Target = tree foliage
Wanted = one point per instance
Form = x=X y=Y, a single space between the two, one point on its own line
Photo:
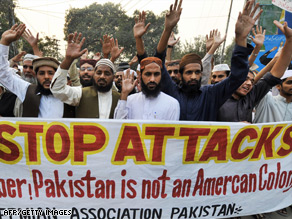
x=96 y=20
x=49 y=46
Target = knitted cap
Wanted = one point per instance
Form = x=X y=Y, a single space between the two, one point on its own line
x=45 y=61
x=106 y=62
x=188 y=59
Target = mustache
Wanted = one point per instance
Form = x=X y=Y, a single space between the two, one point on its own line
x=192 y=81
x=152 y=83
x=47 y=80
x=101 y=80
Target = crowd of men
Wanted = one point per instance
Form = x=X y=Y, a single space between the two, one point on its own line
x=192 y=88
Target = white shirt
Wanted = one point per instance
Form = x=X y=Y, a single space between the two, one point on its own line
x=50 y=107
x=273 y=109
x=138 y=106
x=105 y=104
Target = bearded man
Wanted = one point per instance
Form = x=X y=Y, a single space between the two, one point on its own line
x=151 y=103
x=37 y=100
x=97 y=101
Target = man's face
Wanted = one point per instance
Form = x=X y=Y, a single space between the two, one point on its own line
x=174 y=73
x=28 y=69
x=45 y=75
x=286 y=87
x=151 y=76
x=103 y=78
x=86 y=73
x=218 y=76
x=150 y=80
x=246 y=87
x=118 y=79
x=192 y=74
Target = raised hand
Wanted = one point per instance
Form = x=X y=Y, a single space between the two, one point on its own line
x=172 y=41
x=106 y=45
x=115 y=50
x=209 y=40
x=18 y=57
x=75 y=44
x=85 y=55
x=172 y=17
x=133 y=60
x=128 y=84
x=12 y=34
x=217 y=39
x=97 y=56
x=139 y=28
x=33 y=41
x=285 y=29
x=258 y=36
x=246 y=20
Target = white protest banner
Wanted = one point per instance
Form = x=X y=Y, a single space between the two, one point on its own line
x=90 y=168
x=284 y=4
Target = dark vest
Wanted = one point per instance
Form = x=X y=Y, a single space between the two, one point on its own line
x=32 y=102
x=7 y=103
x=88 y=105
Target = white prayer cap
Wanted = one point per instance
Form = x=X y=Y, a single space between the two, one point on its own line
x=106 y=62
x=131 y=71
x=287 y=74
x=1 y=85
x=221 y=67
x=30 y=57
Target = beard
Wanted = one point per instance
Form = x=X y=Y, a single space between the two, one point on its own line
x=148 y=92
x=118 y=86
x=191 y=89
x=42 y=90
x=31 y=80
x=86 y=83
x=102 y=89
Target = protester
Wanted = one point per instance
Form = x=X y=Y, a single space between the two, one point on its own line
x=86 y=72
x=97 y=101
x=151 y=103
x=196 y=103
x=173 y=70
x=239 y=107
x=219 y=73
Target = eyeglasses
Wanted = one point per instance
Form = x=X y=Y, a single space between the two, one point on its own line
x=174 y=71
x=26 y=66
x=86 y=68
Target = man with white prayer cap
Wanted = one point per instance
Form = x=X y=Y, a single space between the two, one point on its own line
x=277 y=108
x=219 y=73
x=97 y=101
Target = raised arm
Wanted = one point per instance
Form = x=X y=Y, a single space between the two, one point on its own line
x=170 y=44
x=7 y=75
x=245 y=22
x=16 y=59
x=73 y=51
x=128 y=84
x=267 y=68
x=171 y=19
x=286 y=53
x=212 y=44
x=139 y=30
x=33 y=42
x=106 y=45
x=115 y=50
x=258 y=39
x=59 y=87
